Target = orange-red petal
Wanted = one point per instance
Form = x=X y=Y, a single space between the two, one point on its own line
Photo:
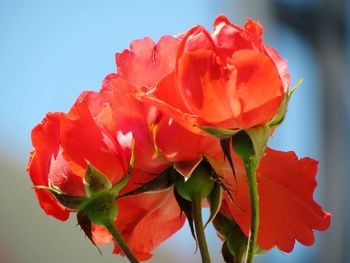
x=83 y=140
x=259 y=87
x=167 y=99
x=228 y=37
x=207 y=87
x=130 y=115
x=154 y=217
x=281 y=66
x=288 y=211
x=46 y=140
x=175 y=142
x=146 y=62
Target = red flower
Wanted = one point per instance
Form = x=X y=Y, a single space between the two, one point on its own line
x=144 y=65
x=158 y=97
x=45 y=138
x=227 y=78
x=145 y=220
x=64 y=142
x=287 y=209
x=98 y=129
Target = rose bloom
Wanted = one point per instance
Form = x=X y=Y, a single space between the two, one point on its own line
x=226 y=78
x=285 y=183
x=144 y=65
x=99 y=129
x=158 y=96
x=260 y=87
x=65 y=142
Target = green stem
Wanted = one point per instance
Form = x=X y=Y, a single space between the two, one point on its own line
x=121 y=242
x=250 y=167
x=198 y=223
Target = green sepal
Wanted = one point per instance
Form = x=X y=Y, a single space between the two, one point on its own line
x=85 y=223
x=296 y=86
x=68 y=201
x=259 y=137
x=214 y=199
x=251 y=143
x=161 y=182
x=187 y=208
x=223 y=225
x=243 y=146
x=122 y=183
x=95 y=180
x=226 y=254
x=226 y=149
x=281 y=113
x=260 y=251
x=282 y=110
x=219 y=132
x=236 y=241
x=237 y=244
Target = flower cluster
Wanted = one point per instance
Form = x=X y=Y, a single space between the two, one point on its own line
x=182 y=120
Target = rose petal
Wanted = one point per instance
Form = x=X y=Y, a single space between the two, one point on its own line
x=228 y=37
x=258 y=84
x=146 y=62
x=130 y=115
x=288 y=211
x=83 y=140
x=281 y=66
x=62 y=177
x=207 y=88
x=154 y=217
x=170 y=104
x=175 y=142
x=46 y=139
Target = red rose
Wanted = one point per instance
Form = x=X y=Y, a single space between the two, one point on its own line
x=159 y=97
x=65 y=142
x=227 y=78
x=99 y=129
x=145 y=65
x=145 y=220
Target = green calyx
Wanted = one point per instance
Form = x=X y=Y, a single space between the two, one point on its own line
x=99 y=204
x=199 y=185
x=282 y=111
x=101 y=208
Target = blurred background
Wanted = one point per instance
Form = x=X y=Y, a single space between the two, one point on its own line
x=50 y=51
